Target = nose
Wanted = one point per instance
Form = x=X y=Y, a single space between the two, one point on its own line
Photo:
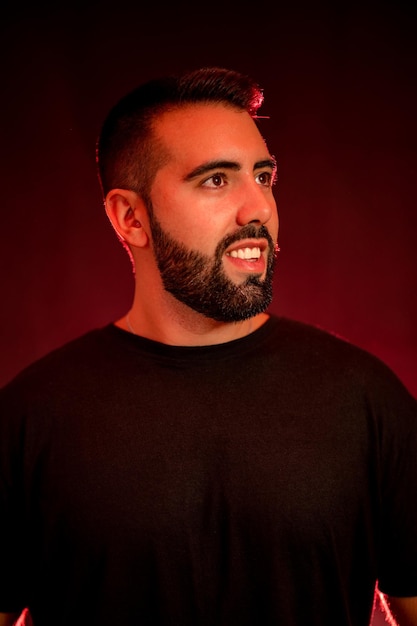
x=257 y=204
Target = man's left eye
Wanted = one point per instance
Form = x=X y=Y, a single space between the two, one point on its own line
x=264 y=178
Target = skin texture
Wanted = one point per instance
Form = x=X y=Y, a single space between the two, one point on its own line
x=217 y=180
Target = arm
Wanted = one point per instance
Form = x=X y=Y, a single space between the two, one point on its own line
x=404 y=610
x=8 y=619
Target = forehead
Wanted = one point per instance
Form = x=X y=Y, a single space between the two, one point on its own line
x=209 y=130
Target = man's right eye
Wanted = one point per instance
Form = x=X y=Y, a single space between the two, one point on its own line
x=214 y=181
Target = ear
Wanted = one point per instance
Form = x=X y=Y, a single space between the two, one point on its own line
x=128 y=216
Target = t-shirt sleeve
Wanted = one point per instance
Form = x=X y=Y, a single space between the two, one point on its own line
x=397 y=431
x=13 y=565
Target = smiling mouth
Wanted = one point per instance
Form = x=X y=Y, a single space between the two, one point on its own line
x=247 y=254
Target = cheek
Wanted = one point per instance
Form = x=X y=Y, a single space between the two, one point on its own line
x=192 y=224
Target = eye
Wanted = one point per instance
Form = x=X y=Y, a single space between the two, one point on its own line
x=266 y=179
x=215 y=181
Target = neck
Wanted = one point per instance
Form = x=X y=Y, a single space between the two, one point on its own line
x=178 y=325
x=156 y=314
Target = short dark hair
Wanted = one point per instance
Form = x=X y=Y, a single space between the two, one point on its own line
x=127 y=152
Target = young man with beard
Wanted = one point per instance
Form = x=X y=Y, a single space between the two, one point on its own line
x=201 y=462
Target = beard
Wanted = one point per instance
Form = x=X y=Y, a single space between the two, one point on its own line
x=200 y=282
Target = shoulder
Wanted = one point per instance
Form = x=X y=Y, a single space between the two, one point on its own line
x=318 y=354
x=67 y=362
x=315 y=343
x=67 y=385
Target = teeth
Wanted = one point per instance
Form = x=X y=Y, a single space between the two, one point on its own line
x=246 y=253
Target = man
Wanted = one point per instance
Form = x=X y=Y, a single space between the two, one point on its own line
x=200 y=462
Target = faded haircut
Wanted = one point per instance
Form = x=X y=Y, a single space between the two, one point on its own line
x=128 y=154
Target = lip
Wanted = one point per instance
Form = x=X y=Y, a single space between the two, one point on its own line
x=262 y=244
x=252 y=266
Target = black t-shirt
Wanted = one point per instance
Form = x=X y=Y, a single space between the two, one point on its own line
x=268 y=480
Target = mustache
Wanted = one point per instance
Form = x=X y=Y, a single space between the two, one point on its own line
x=250 y=231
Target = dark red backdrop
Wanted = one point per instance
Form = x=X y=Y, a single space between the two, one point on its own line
x=341 y=90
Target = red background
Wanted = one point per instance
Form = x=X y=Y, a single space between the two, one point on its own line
x=340 y=87
x=341 y=90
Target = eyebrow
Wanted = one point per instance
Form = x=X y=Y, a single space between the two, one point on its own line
x=209 y=166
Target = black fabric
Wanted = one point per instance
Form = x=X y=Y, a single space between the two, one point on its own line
x=269 y=480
